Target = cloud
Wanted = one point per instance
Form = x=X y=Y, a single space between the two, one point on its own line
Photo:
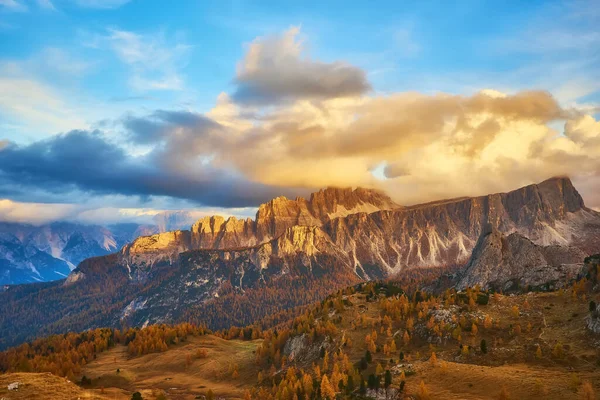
x=427 y=144
x=162 y=124
x=101 y=4
x=46 y=5
x=39 y=106
x=43 y=213
x=87 y=161
x=277 y=69
x=33 y=213
x=155 y=64
x=326 y=129
x=13 y=5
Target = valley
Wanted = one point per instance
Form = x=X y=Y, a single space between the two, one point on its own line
x=537 y=345
x=344 y=295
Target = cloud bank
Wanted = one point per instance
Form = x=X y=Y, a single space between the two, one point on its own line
x=293 y=124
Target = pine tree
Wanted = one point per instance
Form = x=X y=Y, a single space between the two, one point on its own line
x=423 y=391
x=368 y=356
x=136 y=396
x=388 y=379
x=483 y=346
x=538 y=352
x=327 y=391
x=433 y=359
x=406 y=338
x=558 y=351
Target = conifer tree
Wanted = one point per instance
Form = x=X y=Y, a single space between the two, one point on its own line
x=327 y=391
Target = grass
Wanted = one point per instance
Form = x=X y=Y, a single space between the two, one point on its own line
x=170 y=373
x=510 y=363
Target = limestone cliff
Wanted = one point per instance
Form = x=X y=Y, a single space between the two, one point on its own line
x=378 y=238
x=512 y=261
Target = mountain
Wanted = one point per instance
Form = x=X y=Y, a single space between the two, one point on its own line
x=505 y=262
x=375 y=243
x=49 y=252
x=234 y=272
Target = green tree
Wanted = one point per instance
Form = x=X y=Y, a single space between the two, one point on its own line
x=350 y=384
x=136 y=396
x=363 y=388
x=388 y=379
x=592 y=306
x=483 y=346
x=368 y=356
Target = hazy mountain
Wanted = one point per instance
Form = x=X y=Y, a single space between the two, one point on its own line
x=49 y=252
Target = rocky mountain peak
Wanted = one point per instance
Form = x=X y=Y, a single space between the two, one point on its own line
x=511 y=261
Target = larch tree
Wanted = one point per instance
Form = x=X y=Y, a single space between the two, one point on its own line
x=327 y=391
x=433 y=359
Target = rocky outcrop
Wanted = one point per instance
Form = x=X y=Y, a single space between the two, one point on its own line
x=272 y=220
x=279 y=214
x=505 y=262
x=445 y=232
x=593 y=320
x=368 y=232
x=148 y=250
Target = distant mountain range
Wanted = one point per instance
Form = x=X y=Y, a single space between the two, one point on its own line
x=225 y=272
x=49 y=252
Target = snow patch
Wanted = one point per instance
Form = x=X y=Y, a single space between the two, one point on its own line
x=135 y=305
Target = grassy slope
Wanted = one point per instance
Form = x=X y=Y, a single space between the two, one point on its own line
x=511 y=364
x=170 y=373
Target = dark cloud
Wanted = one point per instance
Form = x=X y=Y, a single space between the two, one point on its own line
x=276 y=70
x=86 y=161
x=161 y=124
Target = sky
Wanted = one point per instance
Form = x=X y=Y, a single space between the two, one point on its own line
x=115 y=110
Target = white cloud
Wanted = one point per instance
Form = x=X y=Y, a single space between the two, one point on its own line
x=46 y=4
x=276 y=68
x=33 y=213
x=13 y=5
x=37 y=106
x=155 y=63
x=101 y=4
x=43 y=213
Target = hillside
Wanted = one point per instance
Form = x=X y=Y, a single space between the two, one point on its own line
x=536 y=345
x=335 y=239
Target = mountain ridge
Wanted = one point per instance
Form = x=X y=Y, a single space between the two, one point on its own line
x=532 y=210
x=163 y=278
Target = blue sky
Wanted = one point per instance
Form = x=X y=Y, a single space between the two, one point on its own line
x=94 y=65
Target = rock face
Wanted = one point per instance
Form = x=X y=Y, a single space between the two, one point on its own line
x=279 y=214
x=379 y=238
x=278 y=219
x=534 y=236
x=295 y=251
x=512 y=261
x=593 y=320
